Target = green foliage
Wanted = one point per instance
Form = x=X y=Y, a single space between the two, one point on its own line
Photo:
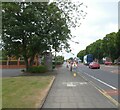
x=68 y=8
x=71 y=58
x=109 y=46
x=3 y=62
x=3 y=55
x=30 y=28
x=81 y=54
x=53 y=66
x=59 y=59
x=59 y=63
x=106 y=47
x=96 y=49
x=38 y=69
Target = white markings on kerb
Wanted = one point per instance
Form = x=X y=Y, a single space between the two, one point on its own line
x=101 y=81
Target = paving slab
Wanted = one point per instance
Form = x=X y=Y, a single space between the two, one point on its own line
x=74 y=92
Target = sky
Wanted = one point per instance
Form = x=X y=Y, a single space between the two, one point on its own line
x=101 y=19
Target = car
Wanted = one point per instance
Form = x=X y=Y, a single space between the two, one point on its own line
x=108 y=63
x=94 y=65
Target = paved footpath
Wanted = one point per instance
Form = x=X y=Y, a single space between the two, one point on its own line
x=74 y=92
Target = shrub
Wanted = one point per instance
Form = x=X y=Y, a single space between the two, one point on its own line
x=3 y=62
x=59 y=63
x=13 y=62
x=53 y=66
x=22 y=62
x=38 y=69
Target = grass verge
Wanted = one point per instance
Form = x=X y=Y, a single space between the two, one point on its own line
x=25 y=91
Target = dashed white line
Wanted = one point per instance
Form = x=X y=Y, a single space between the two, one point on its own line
x=101 y=81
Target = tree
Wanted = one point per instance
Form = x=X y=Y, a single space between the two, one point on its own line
x=109 y=46
x=81 y=54
x=3 y=55
x=60 y=59
x=106 y=47
x=71 y=58
x=96 y=49
x=19 y=29
x=30 y=28
x=72 y=11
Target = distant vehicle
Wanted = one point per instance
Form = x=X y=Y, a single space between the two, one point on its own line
x=108 y=63
x=87 y=59
x=118 y=63
x=94 y=65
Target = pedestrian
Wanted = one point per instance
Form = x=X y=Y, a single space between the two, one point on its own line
x=74 y=66
x=67 y=64
x=71 y=66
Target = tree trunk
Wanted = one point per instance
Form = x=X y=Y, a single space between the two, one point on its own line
x=31 y=61
x=26 y=63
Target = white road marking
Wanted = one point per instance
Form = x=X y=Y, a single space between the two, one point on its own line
x=73 y=84
x=101 y=81
x=70 y=84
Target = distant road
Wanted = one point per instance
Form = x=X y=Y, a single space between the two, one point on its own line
x=11 y=72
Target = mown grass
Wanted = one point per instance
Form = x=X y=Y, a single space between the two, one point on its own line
x=24 y=92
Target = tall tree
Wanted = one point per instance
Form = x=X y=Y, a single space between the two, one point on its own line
x=109 y=46
x=81 y=54
x=106 y=47
x=31 y=28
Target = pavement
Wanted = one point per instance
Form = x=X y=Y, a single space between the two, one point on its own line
x=71 y=90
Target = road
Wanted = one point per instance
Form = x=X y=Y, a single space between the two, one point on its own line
x=105 y=78
x=11 y=72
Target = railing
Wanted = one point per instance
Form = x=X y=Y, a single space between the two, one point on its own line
x=13 y=64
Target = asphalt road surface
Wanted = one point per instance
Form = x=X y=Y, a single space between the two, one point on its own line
x=105 y=78
x=11 y=72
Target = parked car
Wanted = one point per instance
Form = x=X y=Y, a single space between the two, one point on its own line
x=93 y=65
x=108 y=63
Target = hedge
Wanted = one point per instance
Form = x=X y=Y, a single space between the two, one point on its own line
x=38 y=69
